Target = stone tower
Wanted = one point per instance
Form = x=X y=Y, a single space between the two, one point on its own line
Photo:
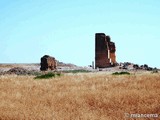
x=104 y=51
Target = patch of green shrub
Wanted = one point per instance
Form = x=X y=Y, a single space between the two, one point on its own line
x=155 y=70
x=77 y=71
x=121 y=73
x=48 y=75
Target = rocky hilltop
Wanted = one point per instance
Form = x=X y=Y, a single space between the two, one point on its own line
x=34 y=68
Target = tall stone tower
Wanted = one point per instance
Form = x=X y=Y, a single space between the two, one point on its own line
x=104 y=51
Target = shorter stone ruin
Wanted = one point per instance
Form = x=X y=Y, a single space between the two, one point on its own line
x=48 y=63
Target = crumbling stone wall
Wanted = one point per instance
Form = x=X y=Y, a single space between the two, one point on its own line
x=112 y=49
x=48 y=63
x=104 y=51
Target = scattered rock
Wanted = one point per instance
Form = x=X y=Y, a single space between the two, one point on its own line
x=17 y=70
x=20 y=71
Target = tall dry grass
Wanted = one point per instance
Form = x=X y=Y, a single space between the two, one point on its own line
x=87 y=96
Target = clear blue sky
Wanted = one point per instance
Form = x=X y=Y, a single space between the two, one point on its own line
x=66 y=30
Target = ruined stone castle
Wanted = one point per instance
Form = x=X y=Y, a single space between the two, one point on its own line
x=104 y=51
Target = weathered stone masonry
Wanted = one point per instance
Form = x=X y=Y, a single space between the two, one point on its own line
x=104 y=51
x=48 y=63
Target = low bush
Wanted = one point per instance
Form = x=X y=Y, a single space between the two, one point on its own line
x=155 y=70
x=48 y=75
x=121 y=73
x=77 y=71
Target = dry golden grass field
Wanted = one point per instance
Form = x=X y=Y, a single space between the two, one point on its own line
x=82 y=96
